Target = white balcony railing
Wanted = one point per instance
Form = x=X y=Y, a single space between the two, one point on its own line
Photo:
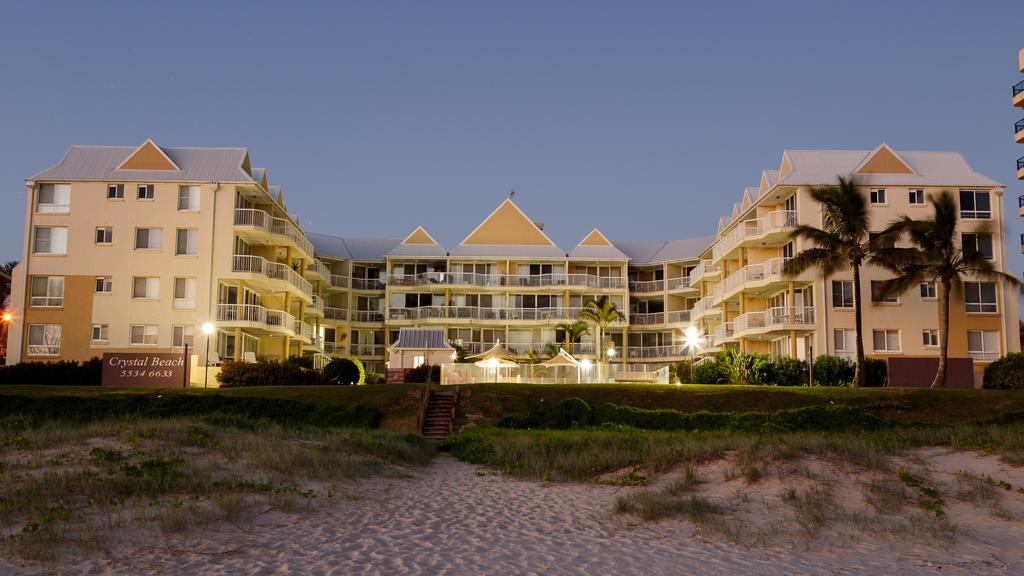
x=272 y=270
x=646 y=286
x=777 y=221
x=677 y=317
x=646 y=319
x=766 y=271
x=703 y=270
x=241 y=313
x=671 y=351
x=339 y=281
x=367 y=284
x=722 y=332
x=367 y=316
x=704 y=306
x=335 y=313
x=678 y=283
x=317 y=307
x=319 y=268
x=775 y=318
x=255 y=218
x=505 y=280
x=360 y=350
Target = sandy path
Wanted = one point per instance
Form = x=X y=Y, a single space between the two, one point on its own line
x=454 y=518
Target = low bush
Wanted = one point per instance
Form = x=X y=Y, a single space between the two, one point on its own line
x=876 y=371
x=1006 y=373
x=419 y=374
x=343 y=371
x=833 y=371
x=790 y=372
x=709 y=373
x=64 y=372
x=266 y=373
x=376 y=378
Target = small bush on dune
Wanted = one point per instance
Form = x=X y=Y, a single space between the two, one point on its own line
x=1006 y=373
x=64 y=372
x=344 y=371
x=790 y=372
x=266 y=373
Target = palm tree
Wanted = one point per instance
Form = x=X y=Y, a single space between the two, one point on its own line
x=573 y=332
x=601 y=312
x=844 y=240
x=935 y=257
x=8 y=267
x=551 y=349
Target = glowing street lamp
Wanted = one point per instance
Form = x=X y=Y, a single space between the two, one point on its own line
x=7 y=317
x=691 y=339
x=611 y=353
x=208 y=329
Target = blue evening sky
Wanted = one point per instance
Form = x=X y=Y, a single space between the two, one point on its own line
x=644 y=119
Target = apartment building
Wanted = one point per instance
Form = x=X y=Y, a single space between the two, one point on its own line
x=97 y=224
x=1018 y=135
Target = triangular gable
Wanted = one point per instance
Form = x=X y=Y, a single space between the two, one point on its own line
x=246 y=165
x=765 y=184
x=723 y=223
x=280 y=198
x=508 y=225
x=419 y=236
x=883 y=160
x=148 y=156
x=735 y=211
x=786 y=166
x=595 y=238
x=745 y=203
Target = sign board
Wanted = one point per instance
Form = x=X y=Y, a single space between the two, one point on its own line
x=145 y=369
x=919 y=372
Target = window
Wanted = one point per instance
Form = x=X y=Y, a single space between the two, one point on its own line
x=104 y=285
x=115 y=191
x=845 y=340
x=186 y=242
x=787 y=250
x=184 y=293
x=886 y=340
x=105 y=235
x=927 y=290
x=879 y=298
x=878 y=195
x=978 y=243
x=916 y=197
x=842 y=294
x=983 y=345
x=100 y=333
x=930 y=338
x=975 y=204
x=145 y=192
x=790 y=204
x=50 y=240
x=44 y=339
x=146 y=288
x=182 y=335
x=144 y=334
x=418 y=361
x=980 y=296
x=148 y=239
x=53 y=198
x=47 y=291
x=188 y=198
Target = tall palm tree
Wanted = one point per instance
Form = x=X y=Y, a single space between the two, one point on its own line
x=8 y=267
x=844 y=240
x=601 y=312
x=573 y=332
x=935 y=257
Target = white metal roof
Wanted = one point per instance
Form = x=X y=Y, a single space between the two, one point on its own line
x=101 y=162
x=821 y=167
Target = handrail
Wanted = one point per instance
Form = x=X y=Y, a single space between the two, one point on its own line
x=772 y=221
x=1018 y=88
x=272 y=270
x=505 y=280
x=484 y=313
x=646 y=319
x=339 y=281
x=367 y=315
x=675 y=283
x=367 y=284
x=1018 y=127
x=331 y=313
x=281 y=226
x=642 y=286
x=1020 y=163
x=318 y=267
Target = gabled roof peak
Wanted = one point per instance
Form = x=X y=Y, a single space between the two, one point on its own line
x=421 y=237
x=148 y=156
x=883 y=160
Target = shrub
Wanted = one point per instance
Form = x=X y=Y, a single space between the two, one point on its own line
x=875 y=372
x=709 y=373
x=300 y=361
x=680 y=371
x=790 y=372
x=265 y=373
x=344 y=371
x=376 y=378
x=755 y=369
x=64 y=372
x=833 y=371
x=568 y=413
x=419 y=374
x=1006 y=373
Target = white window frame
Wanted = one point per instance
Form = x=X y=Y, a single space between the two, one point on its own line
x=989 y=351
x=849 y=340
x=107 y=238
x=832 y=297
x=894 y=298
x=145 y=192
x=179 y=332
x=48 y=337
x=60 y=199
x=152 y=288
x=974 y=213
x=191 y=241
x=187 y=301
x=100 y=334
x=56 y=243
x=118 y=190
x=159 y=235
x=150 y=334
x=981 y=307
x=191 y=200
x=103 y=282
x=915 y=197
x=54 y=296
x=889 y=335
x=877 y=197
x=930 y=338
x=928 y=287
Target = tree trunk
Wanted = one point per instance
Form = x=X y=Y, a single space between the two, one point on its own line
x=858 y=379
x=943 y=298
x=600 y=347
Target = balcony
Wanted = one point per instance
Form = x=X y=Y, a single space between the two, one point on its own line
x=704 y=307
x=773 y=227
x=338 y=314
x=680 y=284
x=367 y=284
x=722 y=332
x=1018 y=132
x=646 y=319
x=365 y=316
x=978 y=356
x=259 y=318
x=335 y=349
x=506 y=281
x=339 y=281
x=316 y=308
x=318 y=268
x=460 y=314
x=1020 y=168
x=1018 y=94
x=751 y=276
x=780 y=318
x=677 y=317
x=704 y=270
x=648 y=352
x=275 y=274
x=646 y=286
x=257 y=224
x=366 y=350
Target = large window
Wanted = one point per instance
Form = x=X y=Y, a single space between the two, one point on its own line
x=186 y=242
x=44 y=339
x=188 y=198
x=50 y=240
x=975 y=204
x=47 y=291
x=980 y=296
x=146 y=288
x=182 y=335
x=842 y=294
x=144 y=334
x=148 y=239
x=184 y=293
x=886 y=340
x=983 y=345
x=54 y=198
x=878 y=297
x=980 y=243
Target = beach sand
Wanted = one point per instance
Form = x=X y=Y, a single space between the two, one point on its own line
x=456 y=518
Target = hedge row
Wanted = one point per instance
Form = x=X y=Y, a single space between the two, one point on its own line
x=575 y=412
x=79 y=409
x=729 y=367
x=64 y=372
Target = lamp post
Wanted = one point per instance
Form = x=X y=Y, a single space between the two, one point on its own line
x=208 y=329
x=692 y=339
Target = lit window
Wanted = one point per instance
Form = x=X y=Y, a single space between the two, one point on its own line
x=105 y=235
x=980 y=296
x=186 y=242
x=50 y=240
x=47 y=292
x=148 y=239
x=146 y=288
x=54 y=198
x=144 y=334
x=100 y=333
x=418 y=361
x=44 y=339
x=886 y=340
